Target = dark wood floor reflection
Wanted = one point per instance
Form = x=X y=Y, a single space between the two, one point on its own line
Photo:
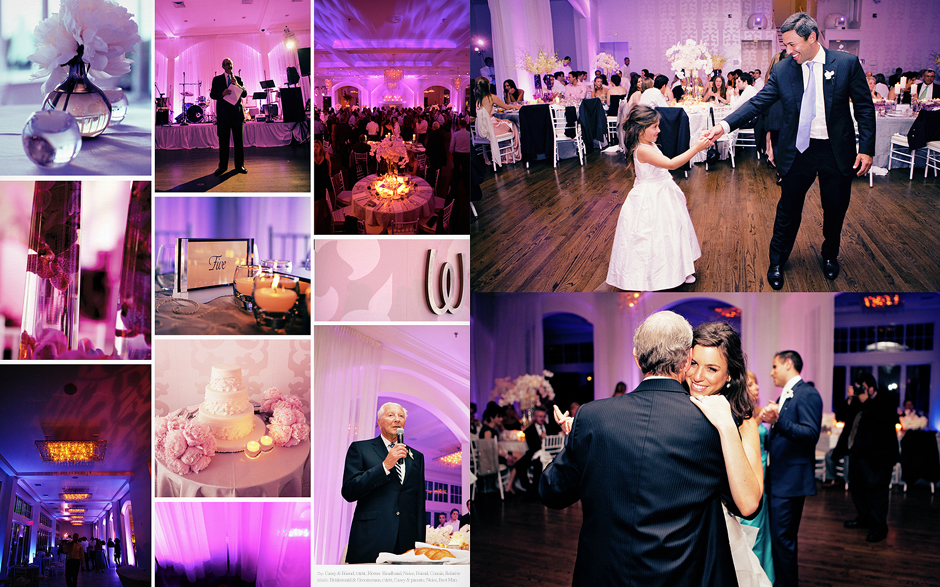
x=544 y=229
x=521 y=543
x=270 y=169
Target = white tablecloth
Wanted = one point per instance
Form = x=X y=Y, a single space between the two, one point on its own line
x=515 y=446
x=418 y=205
x=279 y=472
x=884 y=128
x=123 y=149
x=205 y=136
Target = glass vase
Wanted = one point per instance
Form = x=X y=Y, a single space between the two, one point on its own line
x=132 y=330
x=85 y=101
x=50 y=304
x=537 y=94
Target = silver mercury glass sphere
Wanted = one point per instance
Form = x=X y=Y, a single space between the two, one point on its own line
x=51 y=138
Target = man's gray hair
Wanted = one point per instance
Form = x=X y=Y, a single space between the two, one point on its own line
x=384 y=407
x=662 y=343
x=802 y=23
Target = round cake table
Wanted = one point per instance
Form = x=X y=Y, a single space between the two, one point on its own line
x=280 y=472
x=372 y=210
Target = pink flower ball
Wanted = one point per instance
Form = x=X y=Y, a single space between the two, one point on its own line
x=160 y=429
x=283 y=414
x=209 y=446
x=280 y=433
x=300 y=431
x=175 y=444
x=177 y=466
x=271 y=393
x=196 y=434
x=201 y=463
x=192 y=454
x=295 y=402
x=299 y=416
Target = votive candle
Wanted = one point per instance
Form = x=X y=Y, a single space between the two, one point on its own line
x=244 y=285
x=252 y=449
x=267 y=443
x=275 y=299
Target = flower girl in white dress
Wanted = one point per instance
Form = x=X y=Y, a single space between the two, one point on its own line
x=655 y=245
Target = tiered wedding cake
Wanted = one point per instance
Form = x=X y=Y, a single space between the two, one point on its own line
x=226 y=409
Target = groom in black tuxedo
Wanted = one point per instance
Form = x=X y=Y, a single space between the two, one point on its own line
x=229 y=117
x=817 y=138
x=648 y=469
x=796 y=419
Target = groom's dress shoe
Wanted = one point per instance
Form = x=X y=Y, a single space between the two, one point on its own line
x=775 y=277
x=831 y=268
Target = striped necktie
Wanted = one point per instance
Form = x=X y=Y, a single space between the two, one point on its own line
x=399 y=466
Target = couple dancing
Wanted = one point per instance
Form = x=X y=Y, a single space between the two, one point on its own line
x=655 y=246
x=655 y=468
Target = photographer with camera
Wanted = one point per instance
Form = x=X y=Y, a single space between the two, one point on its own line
x=872 y=446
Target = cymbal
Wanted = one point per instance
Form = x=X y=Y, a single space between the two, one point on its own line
x=186 y=93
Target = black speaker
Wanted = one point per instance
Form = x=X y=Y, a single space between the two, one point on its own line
x=303 y=56
x=292 y=76
x=292 y=101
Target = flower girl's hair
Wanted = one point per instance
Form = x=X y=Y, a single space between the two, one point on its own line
x=638 y=120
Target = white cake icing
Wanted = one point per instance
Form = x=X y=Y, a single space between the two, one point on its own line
x=226 y=409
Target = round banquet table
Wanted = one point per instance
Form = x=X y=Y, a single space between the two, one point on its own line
x=380 y=212
x=885 y=127
x=279 y=472
x=123 y=149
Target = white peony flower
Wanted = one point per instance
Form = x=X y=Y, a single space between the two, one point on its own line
x=100 y=30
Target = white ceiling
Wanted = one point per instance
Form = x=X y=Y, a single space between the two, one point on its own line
x=211 y=17
x=365 y=37
x=112 y=402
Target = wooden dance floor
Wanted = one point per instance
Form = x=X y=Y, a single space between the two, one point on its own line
x=544 y=229
x=270 y=169
x=524 y=544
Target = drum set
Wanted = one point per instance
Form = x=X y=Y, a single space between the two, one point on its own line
x=194 y=112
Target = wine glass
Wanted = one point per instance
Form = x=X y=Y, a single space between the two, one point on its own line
x=166 y=267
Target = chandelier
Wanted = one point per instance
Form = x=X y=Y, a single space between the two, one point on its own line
x=457 y=82
x=392 y=78
x=453 y=459
x=72 y=452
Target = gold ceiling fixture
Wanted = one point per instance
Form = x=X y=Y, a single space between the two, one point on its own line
x=392 y=78
x=454 y=459
x=72 y=452
x=75 y=496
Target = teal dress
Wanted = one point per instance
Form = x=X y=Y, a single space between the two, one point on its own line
x=762 y=520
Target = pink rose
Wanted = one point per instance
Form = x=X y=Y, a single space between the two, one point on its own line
x=160 y=429
x=281 y=434
x=175 y=444
x=201 y=463
x=175 y=424
x=192 y=454
x=196 y=433
x=269 y=399
x=177 y=466
x=208 y=446
x=300 y=431
x=295 y=402
x=283 y=414
x=159 y=447
x=299 y=416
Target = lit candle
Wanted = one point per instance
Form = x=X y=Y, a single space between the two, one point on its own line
x=267 y=443
x=243 y=285
x=903 y=81
x=252 y=449
x=275 y=299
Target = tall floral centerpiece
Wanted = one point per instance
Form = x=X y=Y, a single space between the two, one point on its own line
x=527 y=391
x=85 y=40
x=391 y=186
x=544 y=62
x=687 y=59
x=605 y=62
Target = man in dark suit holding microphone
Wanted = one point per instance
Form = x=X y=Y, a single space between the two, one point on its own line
x=797 y=420
x=649 y=471
x=817 y=138
x=386 y=478
x=229 y=116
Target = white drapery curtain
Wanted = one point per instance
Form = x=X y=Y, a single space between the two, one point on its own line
x=268 y=543
x=259 y=56
x=346 y=375
x=519 y=25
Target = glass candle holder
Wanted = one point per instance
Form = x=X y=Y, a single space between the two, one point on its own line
x=274 y=296
x=278 y=265
x=252 y=449
x=244 y=284
x=267 y=443
x=51 y=138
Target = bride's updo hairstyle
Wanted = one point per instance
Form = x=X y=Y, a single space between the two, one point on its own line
x=722 y=336
x=640 y=118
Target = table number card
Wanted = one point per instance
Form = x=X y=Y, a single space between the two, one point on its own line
x=206 y=262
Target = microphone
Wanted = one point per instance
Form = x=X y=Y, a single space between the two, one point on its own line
x=401 y=440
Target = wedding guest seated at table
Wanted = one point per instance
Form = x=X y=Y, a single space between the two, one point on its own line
x=929 y=89
x=615 y=88
x=560 y=81
x=485 y=100
x=599 y=90
x=512 y=94
x=655 y=97
x=745 y=90
x=717 y=91
x=575 y=90
x=441 y=520
x=491 y=428
x=881 y=85
x=454 y=521
x=871 y=88
x=412 y=167
x=758 y=80
x=511 y=419
x=679 y=86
